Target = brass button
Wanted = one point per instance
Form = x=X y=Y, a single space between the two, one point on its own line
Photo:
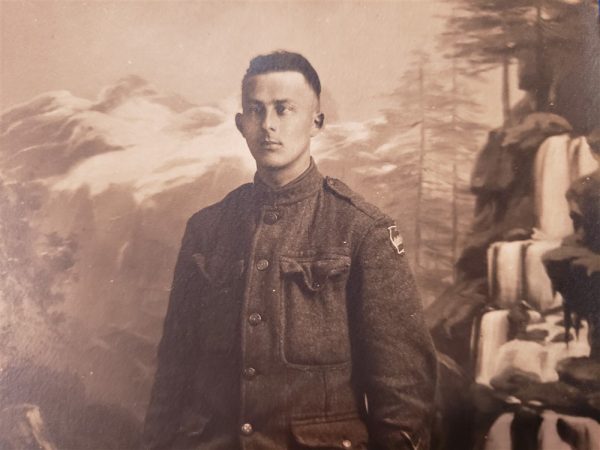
x=271 y=217
x=249 y=373
x=262 y=264
x=346 y=443
x=246 y=429
x=254 y=319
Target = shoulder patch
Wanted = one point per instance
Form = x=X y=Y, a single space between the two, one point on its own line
x=342 y=190
x=396 y=239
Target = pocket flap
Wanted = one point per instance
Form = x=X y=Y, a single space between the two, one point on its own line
x=314 y=273
x=339 y=434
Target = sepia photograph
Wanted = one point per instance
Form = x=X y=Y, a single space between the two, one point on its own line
x=290 y=224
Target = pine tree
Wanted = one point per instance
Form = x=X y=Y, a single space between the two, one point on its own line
x=436 y=110
x=490 y=33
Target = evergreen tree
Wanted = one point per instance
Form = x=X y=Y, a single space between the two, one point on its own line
x=434 y=110
x=543 y=34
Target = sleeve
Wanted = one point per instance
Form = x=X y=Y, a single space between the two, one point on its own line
x=174 y=362
x=396 y=364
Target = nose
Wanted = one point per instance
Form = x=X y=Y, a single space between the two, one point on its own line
x=270 y=119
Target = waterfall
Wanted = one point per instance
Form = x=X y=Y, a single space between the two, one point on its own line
x=560 y=160
x=520 y=357
x=498 y=358
x=493 y=332
x=539 y=292
x=557 y=351
x=504 y=272
x=585 y=431
x=581 y=159
x=496 y=437
x=516 y=272
x=552 y=179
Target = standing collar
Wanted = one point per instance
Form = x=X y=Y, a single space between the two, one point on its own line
x=302 y=187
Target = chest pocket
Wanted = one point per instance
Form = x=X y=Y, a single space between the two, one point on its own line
x=315 y=319
x=219 y=310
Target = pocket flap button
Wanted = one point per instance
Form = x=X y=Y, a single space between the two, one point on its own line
x=249 y=373
x=262 y=264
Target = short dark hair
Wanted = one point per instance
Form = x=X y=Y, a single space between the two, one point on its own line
x=283 y=61
x=593 y=139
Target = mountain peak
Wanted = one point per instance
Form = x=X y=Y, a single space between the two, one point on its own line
x=133 y=86
x=41 y=104
x=130 y=86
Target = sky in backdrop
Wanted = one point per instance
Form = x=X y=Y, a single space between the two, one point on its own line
x=200 y=49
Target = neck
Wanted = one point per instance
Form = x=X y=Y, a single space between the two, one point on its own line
x=276 y=178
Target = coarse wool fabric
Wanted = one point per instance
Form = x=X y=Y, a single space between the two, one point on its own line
x=293 y=322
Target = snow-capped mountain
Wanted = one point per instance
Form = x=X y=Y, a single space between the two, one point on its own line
x=130 y=136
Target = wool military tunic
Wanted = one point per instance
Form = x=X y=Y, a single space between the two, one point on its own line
x=293 y=322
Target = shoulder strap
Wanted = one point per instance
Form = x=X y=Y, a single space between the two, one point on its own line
x=342 y=190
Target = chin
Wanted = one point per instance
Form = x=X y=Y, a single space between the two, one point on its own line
x=270 y=160
x=271 y=166
x=276 y=159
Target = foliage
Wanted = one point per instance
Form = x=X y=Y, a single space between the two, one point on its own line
x=33 y=267
x=484 y=31
x=555 y=41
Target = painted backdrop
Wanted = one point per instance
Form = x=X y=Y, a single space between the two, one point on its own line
x=117 y=125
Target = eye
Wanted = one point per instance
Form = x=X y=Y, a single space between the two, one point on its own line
x=254 y=108
x=283 y=108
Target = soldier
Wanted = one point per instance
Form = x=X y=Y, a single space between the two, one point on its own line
x=293 y=321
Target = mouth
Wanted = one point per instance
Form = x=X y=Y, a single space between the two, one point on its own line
x=270 y=143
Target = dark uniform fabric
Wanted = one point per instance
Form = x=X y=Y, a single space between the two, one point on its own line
x=289 y=307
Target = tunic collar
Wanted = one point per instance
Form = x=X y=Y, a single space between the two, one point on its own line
x=302 y=187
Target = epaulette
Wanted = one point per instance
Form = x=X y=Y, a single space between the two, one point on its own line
x=342 y=190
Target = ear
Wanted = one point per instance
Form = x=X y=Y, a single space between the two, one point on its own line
x=239 y=122
x=318 y=122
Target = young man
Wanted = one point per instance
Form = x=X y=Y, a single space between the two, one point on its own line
x=293 y=321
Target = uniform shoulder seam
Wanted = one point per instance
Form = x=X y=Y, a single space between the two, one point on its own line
x=342 y=190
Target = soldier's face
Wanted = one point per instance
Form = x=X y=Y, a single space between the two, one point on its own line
x=280 y=115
